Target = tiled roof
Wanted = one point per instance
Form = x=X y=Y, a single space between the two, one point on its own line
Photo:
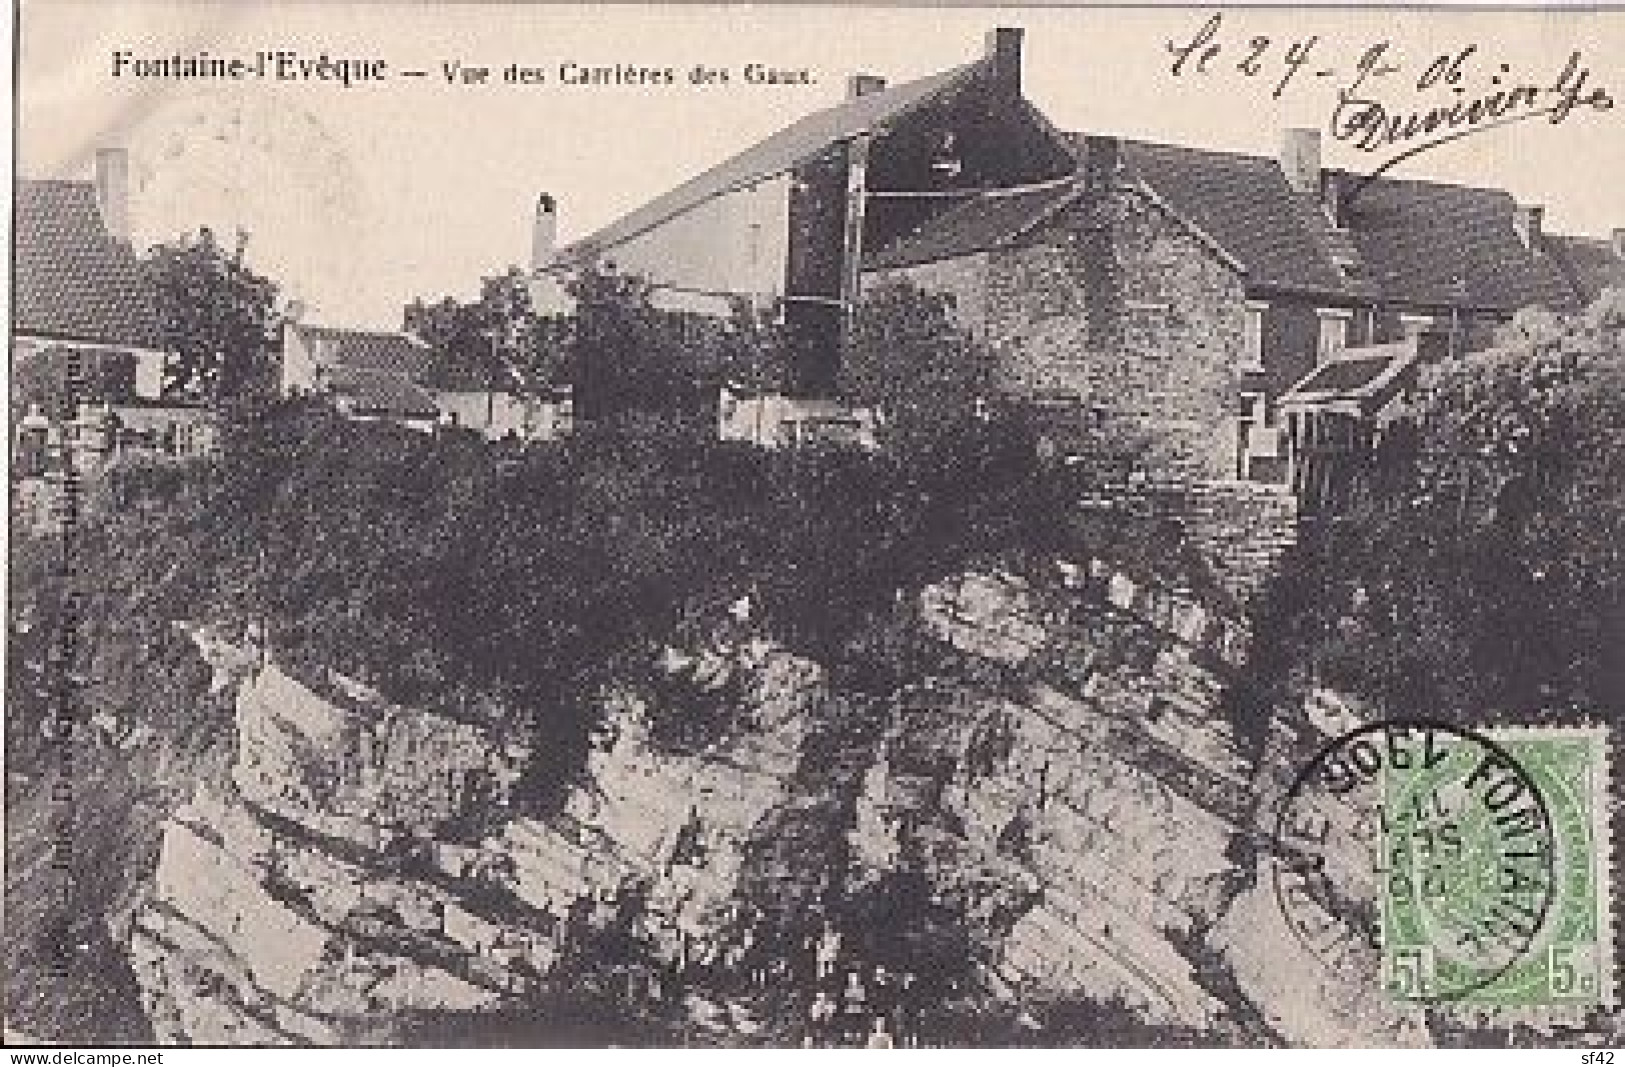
x=1245 y=204
x=464 y=378
x=982 y=222
x=800 y=141
x=72 y=279
x=1428 y=243
x=1402 y=241
x=369 y=350
x=1590 y=265
x=381 y=392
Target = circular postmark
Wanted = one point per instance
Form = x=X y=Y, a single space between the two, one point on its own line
x=1417 y=855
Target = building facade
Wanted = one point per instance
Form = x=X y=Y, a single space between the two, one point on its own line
x=1093 y=299
x=88 y=349
x=392 y=376
x=1181 y=290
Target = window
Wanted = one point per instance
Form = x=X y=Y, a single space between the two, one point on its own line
x=753 y=247
x=1252 y=336
x=1334 y=331
x=1249 y=422
x=1417 y=325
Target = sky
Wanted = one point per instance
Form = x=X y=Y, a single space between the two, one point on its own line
x=357 y=199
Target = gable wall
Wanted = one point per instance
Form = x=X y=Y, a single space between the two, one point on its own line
x=733 y=243
x=1118 y=304
x=298 y=370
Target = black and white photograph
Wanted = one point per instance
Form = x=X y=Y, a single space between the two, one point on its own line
x=814 y=527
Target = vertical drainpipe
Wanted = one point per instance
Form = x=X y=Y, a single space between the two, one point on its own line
x=857 y=168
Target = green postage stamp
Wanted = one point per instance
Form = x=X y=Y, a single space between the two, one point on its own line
x=1495 y=871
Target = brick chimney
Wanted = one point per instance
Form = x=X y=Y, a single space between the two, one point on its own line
x=1003 y=55
x=1101 y=159
x=1527 y=220
x=113 y=191
x=1336 y=189
x=1300 y=159
x=544 y=233
x=864 y=85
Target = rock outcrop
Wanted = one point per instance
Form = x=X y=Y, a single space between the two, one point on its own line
x=364 y=861
x=1067 y=776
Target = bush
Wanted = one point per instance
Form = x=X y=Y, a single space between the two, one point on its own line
x=1479 y=576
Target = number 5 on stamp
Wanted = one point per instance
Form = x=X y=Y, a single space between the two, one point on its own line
x=1410 y=973
x=1520 y=918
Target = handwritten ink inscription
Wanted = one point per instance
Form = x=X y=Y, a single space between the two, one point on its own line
x=1381 y=109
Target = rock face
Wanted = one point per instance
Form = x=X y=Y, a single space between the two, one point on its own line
x=336 y=881
x=1094 y=782
x=317 y=888
x=1066 y=774
x=680 y=823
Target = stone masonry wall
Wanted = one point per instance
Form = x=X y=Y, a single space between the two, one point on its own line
x=1118 y=304
x=1119 y=308
x=1241 y=529
x=963 y=278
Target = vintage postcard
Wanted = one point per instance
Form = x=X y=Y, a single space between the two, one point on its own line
x=815 y=527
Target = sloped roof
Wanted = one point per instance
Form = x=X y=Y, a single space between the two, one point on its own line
x=800 y=141
x=1245 y=204
x=1402 y=240
x=72 y=279
x=979 y=223
x=396 y=353
x=1590 y=264
x=455 y=377
x=1344 y=375
x=1361 y=376
x=381 y=392
x=1431 y=243
x=995 y=218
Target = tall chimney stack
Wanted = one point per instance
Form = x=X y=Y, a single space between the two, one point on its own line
x=1528 y=220
x=544 y=233
x=113 y=191
x=1101 y=162
x=1300 y=159
x=1003 y=54
x=864 y=85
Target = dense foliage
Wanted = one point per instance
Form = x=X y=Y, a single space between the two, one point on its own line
x=620 y=351
x=219 y=319
x=496 y=341
x=451 y=572
x=909 y=359
x=1478 y=573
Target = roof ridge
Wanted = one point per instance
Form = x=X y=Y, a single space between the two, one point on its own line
x=83 y=182
x=698 y=193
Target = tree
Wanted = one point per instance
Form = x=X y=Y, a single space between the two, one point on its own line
x=1481 y=574
x=910 y=360
x=497 y=341
x=219 y=319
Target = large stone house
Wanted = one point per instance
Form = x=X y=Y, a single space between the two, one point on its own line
x=1093 y=298
x=1184 y=290
x=87 y=347
x=1336 y=261
x=789 y=218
